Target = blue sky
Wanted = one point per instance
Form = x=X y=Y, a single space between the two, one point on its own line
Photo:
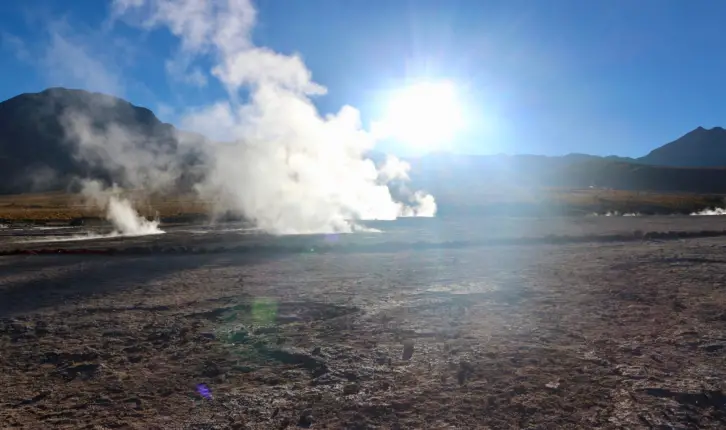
x=545 y=77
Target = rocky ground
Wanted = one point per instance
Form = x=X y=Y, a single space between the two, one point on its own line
x=444 y=330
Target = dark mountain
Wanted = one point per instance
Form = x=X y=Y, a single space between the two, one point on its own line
x=39 y=143
x=699 y=148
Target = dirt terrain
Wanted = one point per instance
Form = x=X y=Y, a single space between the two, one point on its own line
x=435 y=324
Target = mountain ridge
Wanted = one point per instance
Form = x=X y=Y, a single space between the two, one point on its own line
x=44 y=146
x=700 y=147
x=41 y=136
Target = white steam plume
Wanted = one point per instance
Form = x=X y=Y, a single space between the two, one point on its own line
x=119 y=211
x=125 y=151
x=616 y=213
x=289 y=169
x=714 y=211
x=127 y=221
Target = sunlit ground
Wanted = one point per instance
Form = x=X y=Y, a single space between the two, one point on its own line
x=418 y=331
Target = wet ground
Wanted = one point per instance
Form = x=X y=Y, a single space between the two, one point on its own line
x=443 y=324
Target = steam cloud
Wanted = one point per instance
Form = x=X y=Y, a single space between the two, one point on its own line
x=617 y=214
x=119 y=211
x=127 y=222
x=276 y=160
x=713 y=212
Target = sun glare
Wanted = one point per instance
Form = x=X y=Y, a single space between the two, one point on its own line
x=426 y=115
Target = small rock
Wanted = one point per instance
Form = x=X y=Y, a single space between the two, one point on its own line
x=713 y=347
x=85 y=371
x=41 y=328
x=351 y=375
x=103 y=400
x=553 y=385
x=244 y=369
x=461 y=376
x=381 y=359
x=306 y=419
x=208 y=335
x=326 y=379
x=134 y=402
x=407 y=350
x=316 y=351
x=272 y=380
x=18 y=327
x=464 y=372
x=210 y=369
x=352 y=388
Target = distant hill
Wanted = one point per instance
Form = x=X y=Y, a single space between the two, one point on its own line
x=38 y=154
x=695 y=162
x=699 y=148
x=451 y=175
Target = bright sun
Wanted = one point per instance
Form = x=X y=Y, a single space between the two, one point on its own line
x=425 y=115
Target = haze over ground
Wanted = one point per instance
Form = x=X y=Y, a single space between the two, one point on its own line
x=603 y=78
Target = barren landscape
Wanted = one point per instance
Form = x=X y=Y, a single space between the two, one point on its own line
x=224 y=214
x=432 y=323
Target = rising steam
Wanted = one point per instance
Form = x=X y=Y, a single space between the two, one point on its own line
x=714 y=211
x=285 y=166
x=126 y=220
x=119 y=211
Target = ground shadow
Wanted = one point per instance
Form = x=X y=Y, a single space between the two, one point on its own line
x=97 y=275
x=705 y=399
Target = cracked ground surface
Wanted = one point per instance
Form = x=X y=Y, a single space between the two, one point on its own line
x=545 y=336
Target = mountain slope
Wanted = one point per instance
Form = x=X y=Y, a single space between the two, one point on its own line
x=48 y=138
x=698 y=148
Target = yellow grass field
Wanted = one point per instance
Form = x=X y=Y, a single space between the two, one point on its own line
x=634 y=201
x=62 y=207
